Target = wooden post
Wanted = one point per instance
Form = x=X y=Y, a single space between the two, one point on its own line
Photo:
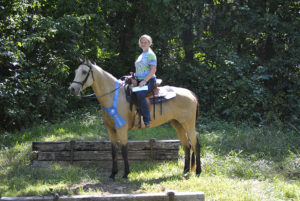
x=171 y=195
x=72 y=146
x=152 y=143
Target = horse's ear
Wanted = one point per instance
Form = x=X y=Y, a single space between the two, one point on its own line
x=87 y=61
x=79 y=60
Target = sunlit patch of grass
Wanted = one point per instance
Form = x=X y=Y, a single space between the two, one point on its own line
x=286 y=190
x=24 y=180
x=237 y=165
x=291 y=166
x=147 y=171
x=167 y=176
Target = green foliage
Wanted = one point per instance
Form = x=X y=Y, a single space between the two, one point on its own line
x=41 y=41
x=240 y=58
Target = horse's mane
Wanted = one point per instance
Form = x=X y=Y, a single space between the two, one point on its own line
x=101 y=70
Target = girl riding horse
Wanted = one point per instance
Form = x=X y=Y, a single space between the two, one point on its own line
x=180 y=112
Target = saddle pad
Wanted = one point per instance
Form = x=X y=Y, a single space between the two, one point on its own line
x=164 y=93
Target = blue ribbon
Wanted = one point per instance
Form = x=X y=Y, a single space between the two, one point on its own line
x=113 y=111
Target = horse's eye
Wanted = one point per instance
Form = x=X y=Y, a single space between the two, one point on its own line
x=84 y=72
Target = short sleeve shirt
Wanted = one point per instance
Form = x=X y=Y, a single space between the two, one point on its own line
x=142 y=64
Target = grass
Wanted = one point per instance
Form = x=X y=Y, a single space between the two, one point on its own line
x=240 y=162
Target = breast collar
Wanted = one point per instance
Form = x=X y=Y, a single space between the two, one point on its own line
x=113 y=111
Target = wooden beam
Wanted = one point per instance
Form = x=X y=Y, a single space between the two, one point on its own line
x=103 y=145
x=105 y=155
x=187 y=196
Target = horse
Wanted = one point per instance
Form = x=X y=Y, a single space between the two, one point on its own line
x=181 y=112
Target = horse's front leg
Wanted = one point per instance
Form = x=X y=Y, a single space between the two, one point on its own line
x=114 y=153
x=123 y=136
x=125 y=158
x=116 y=136
x=124 y=149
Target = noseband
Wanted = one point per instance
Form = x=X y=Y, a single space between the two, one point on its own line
x=87 y=76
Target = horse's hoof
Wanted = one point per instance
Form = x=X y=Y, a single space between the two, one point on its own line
x=111 y=178
x=186 y=171
x=186 y=175
x=125 y=176
x=198 y=172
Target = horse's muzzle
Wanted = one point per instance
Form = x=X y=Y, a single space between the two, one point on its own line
x=74 y=91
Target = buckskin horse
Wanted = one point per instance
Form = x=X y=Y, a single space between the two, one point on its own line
x=181 y=112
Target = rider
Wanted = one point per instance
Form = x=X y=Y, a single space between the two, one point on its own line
x=145 y=67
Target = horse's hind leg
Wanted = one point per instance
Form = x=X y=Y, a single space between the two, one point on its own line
x=192 y=135
x=184 y=142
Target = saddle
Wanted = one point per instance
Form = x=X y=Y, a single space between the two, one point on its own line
x=159 y=94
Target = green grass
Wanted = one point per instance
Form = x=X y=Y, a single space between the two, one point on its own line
x=240 y=162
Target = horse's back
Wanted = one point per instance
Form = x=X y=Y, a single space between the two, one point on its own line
x=185 y=95
x=184 y=106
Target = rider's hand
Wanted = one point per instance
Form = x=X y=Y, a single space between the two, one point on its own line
x=142 y=83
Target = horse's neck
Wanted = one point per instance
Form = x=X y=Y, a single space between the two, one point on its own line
x=103 y=84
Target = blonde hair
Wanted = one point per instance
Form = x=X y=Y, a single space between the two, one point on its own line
x=147 y=37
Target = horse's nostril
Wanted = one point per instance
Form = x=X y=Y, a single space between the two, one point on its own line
x=72 y=90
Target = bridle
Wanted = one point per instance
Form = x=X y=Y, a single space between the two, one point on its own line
x=87 y=76
x=93 y=96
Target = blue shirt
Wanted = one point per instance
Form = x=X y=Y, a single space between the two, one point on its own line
x=142 y=64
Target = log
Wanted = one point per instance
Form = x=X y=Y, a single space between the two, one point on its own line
x=103 y=145
x=170 y=196
x=104 y=155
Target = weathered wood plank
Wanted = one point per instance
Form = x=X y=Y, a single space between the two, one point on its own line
x=105 y=165
x=106 y=155
x=103 y=145
x=188 y=196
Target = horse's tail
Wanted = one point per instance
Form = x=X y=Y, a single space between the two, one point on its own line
x=193 y=159
x=198 y=106
x=197 y=112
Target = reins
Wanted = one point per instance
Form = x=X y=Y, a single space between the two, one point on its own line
x=93 y=96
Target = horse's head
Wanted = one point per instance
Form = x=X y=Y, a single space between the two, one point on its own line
x=84 y=78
